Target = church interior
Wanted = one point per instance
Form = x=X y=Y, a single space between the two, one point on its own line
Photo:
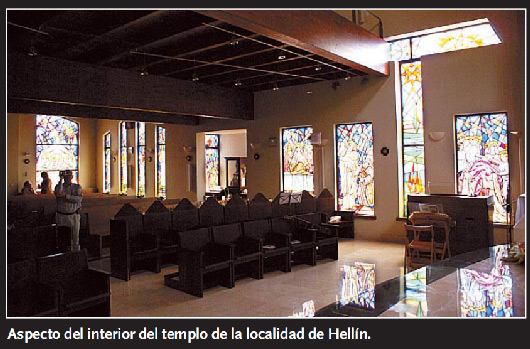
x=267 y=163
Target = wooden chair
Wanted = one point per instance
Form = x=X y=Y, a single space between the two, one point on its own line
x=82 y=291
x=281 y=205
x=202 y=263
x=26 y=296
x=259 y=207
x=157 y=221
x=303 y=244
x=327 y=241
x=308 y=204
x=132 y=248
x=27 y=243
x=236 y=210
x=275 y=247
x=442 y=224
x=325 y=202
x=419 y=247
x=185 y=216
x=211 y=213
x=248 y=257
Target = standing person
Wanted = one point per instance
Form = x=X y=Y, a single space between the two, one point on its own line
x=46 y=184
x=69 y=196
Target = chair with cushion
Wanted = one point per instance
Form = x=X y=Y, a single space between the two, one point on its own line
x=248 y=258
x=303 y=243
x=202 y=263
x=275 y=246
x=131 y=248
x=82 y=291
x=211 y=213
x=419 y=247
x=26 y=296
x=185 y=216
x=157 y=221
x=259 y=207
x=236 y=210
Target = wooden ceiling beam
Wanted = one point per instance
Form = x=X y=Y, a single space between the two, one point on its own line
x=322 y=32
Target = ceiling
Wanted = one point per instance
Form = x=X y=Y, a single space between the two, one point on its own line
x=180 y=44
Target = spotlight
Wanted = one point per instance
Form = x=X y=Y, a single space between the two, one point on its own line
x=281 y=55
x=195 y=77
x=144 y=72
x=32 y=51
x=317 y=68
x=238 y=82
x=275 y=87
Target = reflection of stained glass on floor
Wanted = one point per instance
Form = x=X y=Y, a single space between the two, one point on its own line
x=308 y=310
x=416 y=293
x=484 y=294
x=355 y=170
x=297 y=156
x=357 y=285
x=482 y=158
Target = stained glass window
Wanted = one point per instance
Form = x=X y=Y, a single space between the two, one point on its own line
x=106 y=163
x=123 y=158
x=160 y=162
x=444 y=39
x=57 y=147
x=140 y=159
x=355 y=168
x=413 y=175
x=212 y=162
x=482 y=166
x=408 y=49
x=297 y=159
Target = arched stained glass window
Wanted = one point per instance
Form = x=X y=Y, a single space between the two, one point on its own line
x=123 y=158
x=212 y=162
x=140 y=159
x=57 y=147
x=297 y=159
x=355 y=168
x=160 y=162
x=106 y=163
x=482 y=166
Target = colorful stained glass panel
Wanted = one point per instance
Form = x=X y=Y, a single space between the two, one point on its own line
x=357 y=286
x=57 y=147
x=161 y=162
x=123 y=159
x=106 y=163
x=297 y=155
x=482 y=165
x=355 y=168
x=212 y=162
x=140 y=146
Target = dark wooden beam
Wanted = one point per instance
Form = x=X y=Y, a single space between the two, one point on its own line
x=322 y=32
x=75 y=85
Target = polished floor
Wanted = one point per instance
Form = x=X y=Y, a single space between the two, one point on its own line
x=278 y=294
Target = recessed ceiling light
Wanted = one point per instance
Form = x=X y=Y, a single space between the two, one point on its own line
x=318 y=67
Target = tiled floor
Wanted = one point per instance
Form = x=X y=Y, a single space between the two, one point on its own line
x=278 y=294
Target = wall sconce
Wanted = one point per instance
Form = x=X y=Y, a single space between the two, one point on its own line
x=188 y=149
x=256 y=156
x=255 y=145
x=189 y=157
x=130 y=150
x=436 y=136
x=26 y=153
x=150 y=159
x=26 y=161
x=385 y=151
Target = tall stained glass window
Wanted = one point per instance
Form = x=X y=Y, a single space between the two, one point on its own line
x=212 y=162
x=407 y=50
x=413 y=175
x=355 y=168
x=482 y=167
x=123 y=158
x=160 y=162
x=140 y=159
x=297 y=159
x=106 y=163
x=57 y=147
